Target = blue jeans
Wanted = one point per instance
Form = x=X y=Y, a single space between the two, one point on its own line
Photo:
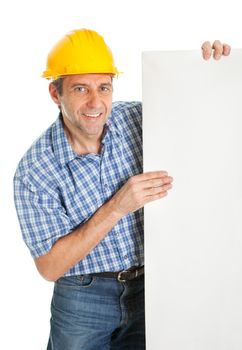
x=96 y=313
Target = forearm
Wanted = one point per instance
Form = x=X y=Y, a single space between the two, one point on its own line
x=70 y=249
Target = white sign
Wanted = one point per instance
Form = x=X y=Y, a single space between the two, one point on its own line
x=193 y=237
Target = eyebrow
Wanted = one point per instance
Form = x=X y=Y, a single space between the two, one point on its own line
x=84 y=84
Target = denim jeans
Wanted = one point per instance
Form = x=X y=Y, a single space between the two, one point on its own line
x=97 y=313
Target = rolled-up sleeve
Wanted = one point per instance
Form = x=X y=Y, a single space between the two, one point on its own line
x=42 y=218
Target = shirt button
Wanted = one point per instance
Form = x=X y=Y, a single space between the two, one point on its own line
x=126 y=257
x=106 y=186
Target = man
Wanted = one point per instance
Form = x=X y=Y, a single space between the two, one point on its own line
x=79 y=194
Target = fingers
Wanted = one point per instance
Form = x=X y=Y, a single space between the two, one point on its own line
x=156 y=183
x=155 y=197
x=164 y=186
x=226 y=50
x=150 y=175
x=157 y=193
x=217 y=49
x=206 y=50
x=153 y=191
x=141 y=189
x=150 y=180
x=151 y=183
x=156 y=188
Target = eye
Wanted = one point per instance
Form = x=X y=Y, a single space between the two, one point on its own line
x=81 y=89
x=106 y=89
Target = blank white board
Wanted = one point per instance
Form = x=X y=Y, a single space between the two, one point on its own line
x=193 y=237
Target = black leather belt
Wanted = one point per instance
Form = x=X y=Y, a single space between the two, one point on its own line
x=124 y=275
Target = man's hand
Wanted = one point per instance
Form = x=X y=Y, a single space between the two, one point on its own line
x=217 y=49
x=139 y=190
x=68 y=250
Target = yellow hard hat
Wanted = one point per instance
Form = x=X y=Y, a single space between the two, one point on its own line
x=81 y=51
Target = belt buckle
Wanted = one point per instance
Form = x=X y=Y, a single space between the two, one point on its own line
x=119 y=278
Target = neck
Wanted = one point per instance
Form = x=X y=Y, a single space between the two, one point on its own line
x=83 y=145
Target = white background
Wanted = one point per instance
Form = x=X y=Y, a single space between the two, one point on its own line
x=28 y=31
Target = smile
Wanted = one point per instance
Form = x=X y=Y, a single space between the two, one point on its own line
x=92 y=115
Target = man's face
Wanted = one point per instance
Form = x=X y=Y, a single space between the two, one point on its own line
x=86 y=103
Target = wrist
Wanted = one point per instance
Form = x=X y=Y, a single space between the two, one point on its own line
x=114 y=211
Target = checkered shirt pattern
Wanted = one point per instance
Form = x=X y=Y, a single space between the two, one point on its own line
x=56 y=190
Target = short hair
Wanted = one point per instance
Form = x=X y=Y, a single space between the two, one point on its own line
x=58 y=83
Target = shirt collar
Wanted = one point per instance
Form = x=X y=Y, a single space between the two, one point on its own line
x=62 y=148
x=113 y=128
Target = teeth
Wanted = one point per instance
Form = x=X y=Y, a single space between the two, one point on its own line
x=93 y=115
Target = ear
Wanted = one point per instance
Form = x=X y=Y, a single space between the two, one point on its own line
x=54 y=94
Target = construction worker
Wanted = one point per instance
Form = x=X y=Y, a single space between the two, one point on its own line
x=79 y=194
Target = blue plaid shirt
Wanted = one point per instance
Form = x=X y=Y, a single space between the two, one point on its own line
x=57 y=190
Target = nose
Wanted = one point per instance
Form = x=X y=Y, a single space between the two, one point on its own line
x=94 y=100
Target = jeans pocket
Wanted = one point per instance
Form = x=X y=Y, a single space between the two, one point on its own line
x=75 y=282
x=86 y=281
